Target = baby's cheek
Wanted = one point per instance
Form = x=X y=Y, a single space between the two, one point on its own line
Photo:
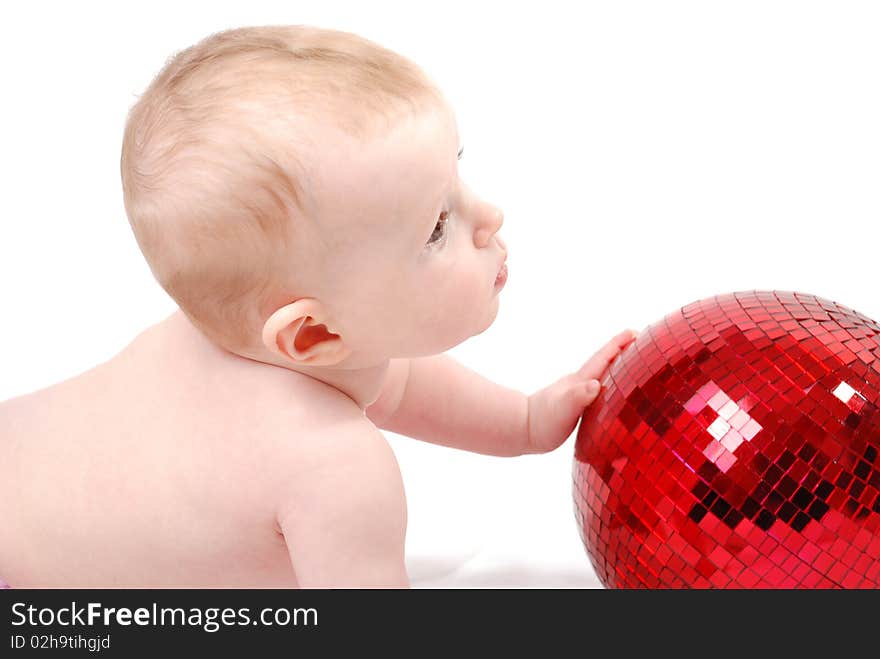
x=450 y=301
x=471 y=296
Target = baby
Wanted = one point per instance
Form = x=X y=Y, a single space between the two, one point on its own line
x=295 y=190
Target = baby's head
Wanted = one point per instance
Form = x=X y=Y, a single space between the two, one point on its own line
x=295 y=190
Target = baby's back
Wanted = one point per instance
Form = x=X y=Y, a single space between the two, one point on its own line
x=156 y=468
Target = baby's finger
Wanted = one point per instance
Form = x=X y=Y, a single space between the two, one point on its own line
x=626 y=337
x=596 y=365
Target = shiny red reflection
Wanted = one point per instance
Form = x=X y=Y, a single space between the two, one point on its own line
x=734 y=444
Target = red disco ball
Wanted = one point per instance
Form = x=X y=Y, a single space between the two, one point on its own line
x=734 y=444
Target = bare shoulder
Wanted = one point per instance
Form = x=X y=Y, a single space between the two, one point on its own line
x=311 y=456
x=340 y=506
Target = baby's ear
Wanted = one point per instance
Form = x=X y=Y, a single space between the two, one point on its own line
x=298 y=332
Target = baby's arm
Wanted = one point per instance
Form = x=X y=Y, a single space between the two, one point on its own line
x=438 y=400
x=343 y=513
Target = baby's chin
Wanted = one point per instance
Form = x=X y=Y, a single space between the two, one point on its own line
x=491 y=315
x=449 y=337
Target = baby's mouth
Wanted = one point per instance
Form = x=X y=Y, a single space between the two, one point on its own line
x=501 y=277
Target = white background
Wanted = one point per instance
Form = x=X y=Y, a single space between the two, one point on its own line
x=646 y=154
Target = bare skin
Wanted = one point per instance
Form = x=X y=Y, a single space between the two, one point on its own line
x=153 y=469
x=179 y=464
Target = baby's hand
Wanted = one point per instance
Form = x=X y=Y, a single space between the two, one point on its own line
x=555 y=410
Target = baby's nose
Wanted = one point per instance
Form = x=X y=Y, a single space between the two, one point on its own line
x=489 y=226
x=497 y=219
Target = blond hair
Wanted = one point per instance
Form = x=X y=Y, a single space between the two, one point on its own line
x=213 y=181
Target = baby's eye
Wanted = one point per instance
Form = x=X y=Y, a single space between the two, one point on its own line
x=439 y=229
